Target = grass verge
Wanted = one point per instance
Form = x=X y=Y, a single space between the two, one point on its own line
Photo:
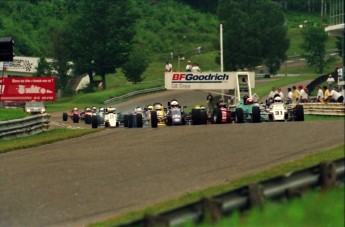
x=47 y=137
x=190 y=197
x=12 y=113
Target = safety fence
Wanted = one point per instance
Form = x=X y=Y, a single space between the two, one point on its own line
x=24 y=127
x=325 y=175
x=134 y=93
x=327 y=109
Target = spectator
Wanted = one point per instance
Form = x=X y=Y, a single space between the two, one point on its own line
x=295 y=94
x=336 y=96
x=303 y=96
x=196 y=68
x=319 y=96
x=280 y=93
x=209 y=100
x=272 y=93
x=168 y=67
x=326 y=94
x=289 y=95
x=189 y=66
x=330 y=80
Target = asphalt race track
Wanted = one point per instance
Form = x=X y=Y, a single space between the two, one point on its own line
x=82 y=180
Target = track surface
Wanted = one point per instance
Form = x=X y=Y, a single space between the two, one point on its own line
x=82 y=180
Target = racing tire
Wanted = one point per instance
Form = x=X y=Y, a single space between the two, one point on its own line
x=139 y=120
x=239 y=115
x=88 y=119
x=168 y=121
x=75 y=118
x=117 y=124
x=218 y=115
x=255 y=114
x=203 y=117
x=130 y=121
x=154 y=119
x=125 y=121
x=299 y=113
x=94 y=122
x=195 y=116
x=106 y=124
x=64 y=116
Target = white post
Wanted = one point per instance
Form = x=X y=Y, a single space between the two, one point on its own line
x=221 y=54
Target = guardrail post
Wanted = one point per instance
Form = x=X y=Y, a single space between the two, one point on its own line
x=155 y=221
x=212 y=209
x=255 y=196
x=327 y=175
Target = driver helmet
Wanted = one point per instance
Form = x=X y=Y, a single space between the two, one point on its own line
x=249 y=101
x=202 y=107
x=88 y=109
x=278 y=99
x=101 y=109
x=174 y=103
x=197 y=107
x=139 y=109
x=150 y=107
x=75 y=109
x=158 y=106
x=222 y=104
x=94 y=109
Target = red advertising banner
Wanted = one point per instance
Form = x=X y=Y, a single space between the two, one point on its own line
x=27 y=89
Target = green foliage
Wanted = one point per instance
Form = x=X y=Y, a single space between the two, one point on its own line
x=44 y=68
x=254 y=33
x=136 y=65
x=315 y=39
x=10 y=114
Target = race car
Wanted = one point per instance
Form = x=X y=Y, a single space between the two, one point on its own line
x=246 y=111
x=175 y=114
x=134 y=119
x=279 y=111
x=111 y=118
x=73 y=114
x=198 y=116
x=221 y=114
x=158 y=115
x=86 y=115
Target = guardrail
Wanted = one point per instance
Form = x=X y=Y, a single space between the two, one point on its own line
x=329 y=109
x=24 y=127
x=114 y=99
x=325 y=175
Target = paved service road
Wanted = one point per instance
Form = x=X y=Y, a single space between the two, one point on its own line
x=82 y=180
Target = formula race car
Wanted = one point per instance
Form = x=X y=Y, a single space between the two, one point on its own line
x=198 y=116
x=246 y=111
x=277 y=110
x=221 y=114
x=158 y=115
x=175 y=114
x=135 y=119
x=111 y=118
x=73 y=114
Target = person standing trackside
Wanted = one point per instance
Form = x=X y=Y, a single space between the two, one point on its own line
x=336 y=96
x=209 y=100
x=330 y=80
x=189 y=66
x=319 y=96
x=168 y=67
x=196 y=68
x=295 y=94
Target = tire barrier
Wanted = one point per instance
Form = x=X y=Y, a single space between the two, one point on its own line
x=326 y=109
x=24 y=127
x=325 y=176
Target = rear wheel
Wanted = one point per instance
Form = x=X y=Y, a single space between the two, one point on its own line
x=256 y=114
x=130 y=121
x=125 y=120
x=154 y=119
x=64 y=116
x=299 y=113
x=239 y=115
x=195 y=116
x=139 y=120
x=88 y=119
x=94 y=122
x=75 y=118
x=203 y=117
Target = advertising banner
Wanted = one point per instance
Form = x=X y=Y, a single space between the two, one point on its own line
x=206 y=80
x=27 y=89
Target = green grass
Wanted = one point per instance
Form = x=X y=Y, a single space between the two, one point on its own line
x=297 y=212
x=12 y=113
x=47 y=137
x=190 y=197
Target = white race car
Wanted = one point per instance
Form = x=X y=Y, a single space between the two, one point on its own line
x=279 y=111
x=111 y=118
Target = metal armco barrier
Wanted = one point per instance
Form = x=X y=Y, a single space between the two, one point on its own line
x=325 y=175
x=133 y=94
x=329 y=109
x=24 y=127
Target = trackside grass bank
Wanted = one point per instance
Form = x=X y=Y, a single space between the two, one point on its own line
x=12 y=113
x=47 y=137
x=278 y=170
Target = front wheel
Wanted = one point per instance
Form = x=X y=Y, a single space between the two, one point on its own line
x=239 y=115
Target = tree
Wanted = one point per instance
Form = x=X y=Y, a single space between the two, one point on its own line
x=254 y=33
x=314 y=44
x=44 y=68
x=136 y=65
x=102 y=36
